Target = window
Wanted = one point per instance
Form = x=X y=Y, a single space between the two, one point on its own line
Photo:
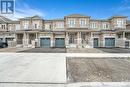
x=35 y=26
x=26 y=24
x=59 y=25
x=93 y=25
x=3 y=26
x=82 y=23
x=48 y=26
x=120 y=23
x=71 y=23
x=105 y=26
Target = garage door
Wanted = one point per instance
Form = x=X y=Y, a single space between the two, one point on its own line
x=45 y=42
x=95 y=42
x=109 y=42
x=59 y=42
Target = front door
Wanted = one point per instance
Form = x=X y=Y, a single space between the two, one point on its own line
x=127 y=44
x=95 y=42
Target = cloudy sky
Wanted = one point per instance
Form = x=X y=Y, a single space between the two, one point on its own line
x=49 y=9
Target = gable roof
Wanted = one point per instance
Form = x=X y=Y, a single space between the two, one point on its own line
x=4 y=20
x=77 y=15
x=33 y=17
x=118 y=16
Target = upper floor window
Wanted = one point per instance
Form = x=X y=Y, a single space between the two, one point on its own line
x=10 y=27
x=72 y=23
x=35 y=26
x=48 y=26
x=59 y=25
x=120 y=23
x=105 y=26
x=82 y=23
x=3 y=26
x=26 y=24
x=93 y=25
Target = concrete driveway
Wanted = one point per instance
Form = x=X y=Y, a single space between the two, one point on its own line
x=114 y=50
x=45 y=50
x=98 y=50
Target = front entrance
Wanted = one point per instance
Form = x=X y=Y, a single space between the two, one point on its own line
x=19 y=38
x=32 y=37
x=59 y=42
x=127 y=44
x=45 y=42
x=9 y=39
x=95 y=42
x=109 y=42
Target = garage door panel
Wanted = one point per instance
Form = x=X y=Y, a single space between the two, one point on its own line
x=45 y=42
x=109 y=42
x=59 y=42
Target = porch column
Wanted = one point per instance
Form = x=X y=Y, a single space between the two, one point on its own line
x=79 y=39
x=124 y=35
x=24 y=39
x=36 y=40
x=91 y=39
x=15 y=37
x=67 y=39
x=27 y=38
x=52 y=40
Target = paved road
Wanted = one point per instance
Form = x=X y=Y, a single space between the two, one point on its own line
x=46 y=68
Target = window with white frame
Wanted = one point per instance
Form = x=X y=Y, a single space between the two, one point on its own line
x=35 y=24
x=17 y=27
x=25 y=24
x=93 y=25
x=71 y=22
x=82 y=22
x=48 y=26
x=10 y=27
x=3 y=26
x=59 y=25
x=105 y=26
x=120 y=23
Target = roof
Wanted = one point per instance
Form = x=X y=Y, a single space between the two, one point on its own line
x=118 y=16
x=57 y=19
x=77 y=15
x=4 y=20
x=33 y=17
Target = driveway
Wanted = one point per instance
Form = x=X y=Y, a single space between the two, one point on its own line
x=98 y=50
x=13 y=49
x=114 y=50
x=44 y=50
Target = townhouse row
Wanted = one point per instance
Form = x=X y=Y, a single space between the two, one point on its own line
x=75 y=30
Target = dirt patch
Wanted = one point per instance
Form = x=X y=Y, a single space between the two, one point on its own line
x=98 y=70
